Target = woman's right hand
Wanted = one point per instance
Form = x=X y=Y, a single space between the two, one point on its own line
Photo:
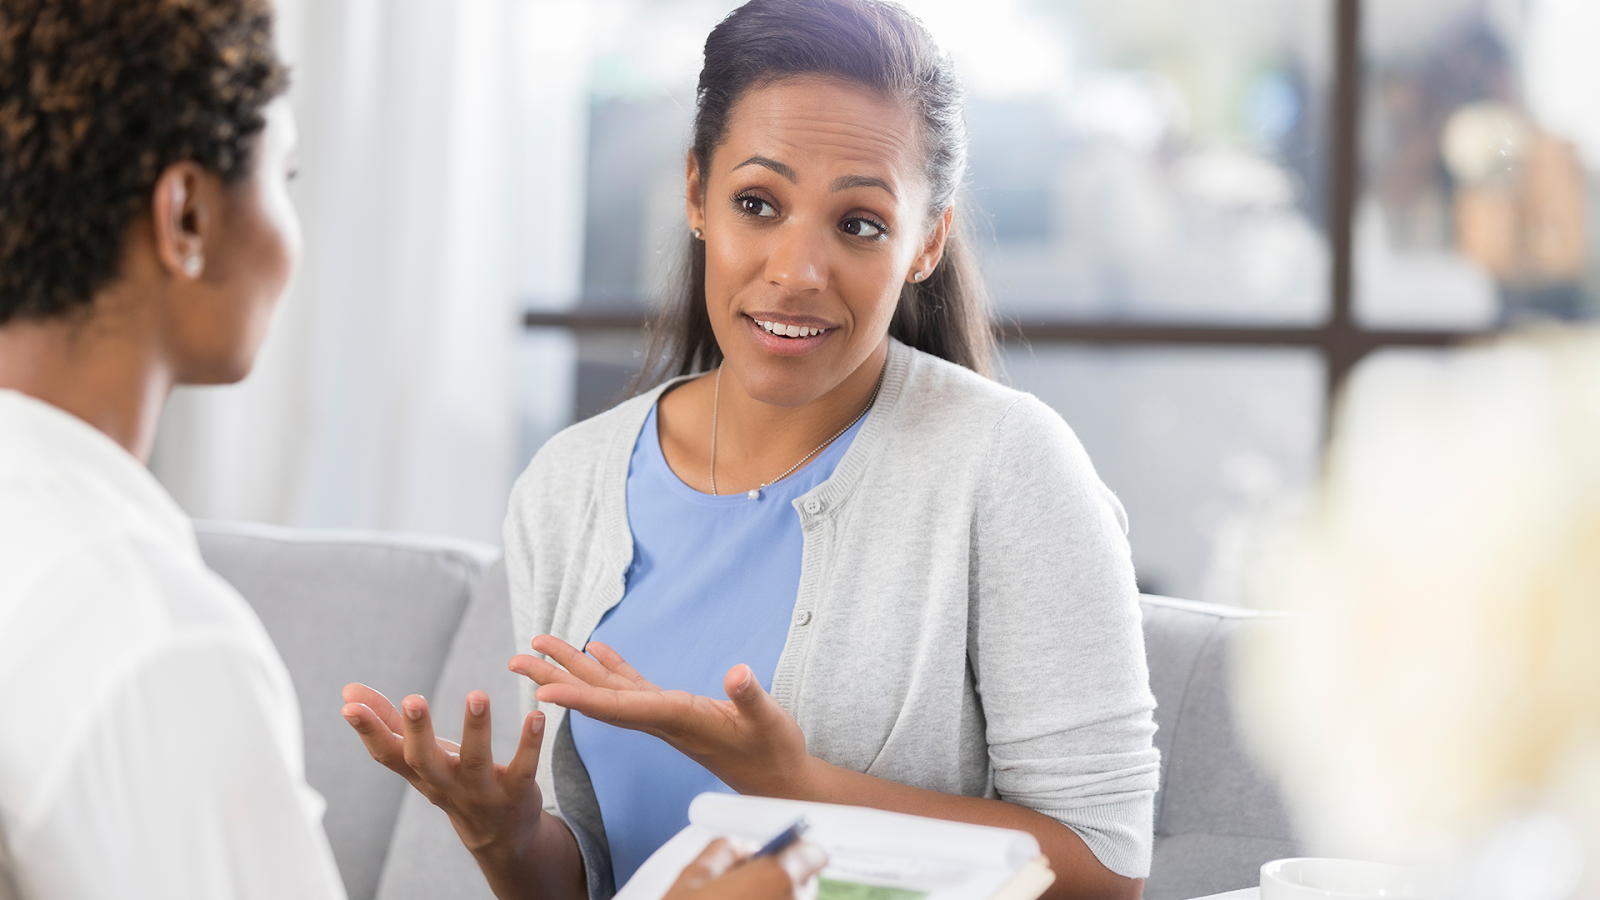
x=497 y=810
x=723 y=873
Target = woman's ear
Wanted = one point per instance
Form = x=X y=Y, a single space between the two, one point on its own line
x=694 y=197
x=933 y=248
x=182 y=213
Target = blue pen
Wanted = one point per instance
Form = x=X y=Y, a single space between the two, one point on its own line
x=784 y=839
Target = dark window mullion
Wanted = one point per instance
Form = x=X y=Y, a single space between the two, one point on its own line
x=1343 y=346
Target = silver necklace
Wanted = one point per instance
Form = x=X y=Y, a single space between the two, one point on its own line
x=755 y=493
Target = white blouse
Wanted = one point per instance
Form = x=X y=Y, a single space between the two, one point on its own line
x=150 y=740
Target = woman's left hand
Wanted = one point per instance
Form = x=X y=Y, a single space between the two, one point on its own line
x=748 y=740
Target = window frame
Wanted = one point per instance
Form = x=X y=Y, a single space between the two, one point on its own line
x=1340 y=339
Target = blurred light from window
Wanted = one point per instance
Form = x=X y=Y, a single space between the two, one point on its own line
x=1478 y=118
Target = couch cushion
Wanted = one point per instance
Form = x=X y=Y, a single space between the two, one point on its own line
x=1218 y=817
x=426 y=859
x=342 y=607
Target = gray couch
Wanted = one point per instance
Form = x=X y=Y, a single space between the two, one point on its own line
x=432 y=617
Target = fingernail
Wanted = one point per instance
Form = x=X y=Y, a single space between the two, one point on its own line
x=805 y=859
x=813 y=855
x=476 y=705
x=413 y=713
x=353 y=720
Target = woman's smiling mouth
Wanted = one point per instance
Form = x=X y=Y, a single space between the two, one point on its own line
x=790 y=331
x=784 y=335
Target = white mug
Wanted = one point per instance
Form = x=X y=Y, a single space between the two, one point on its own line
x=1311 y=878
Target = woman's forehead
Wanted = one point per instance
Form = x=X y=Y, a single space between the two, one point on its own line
x=816 y=127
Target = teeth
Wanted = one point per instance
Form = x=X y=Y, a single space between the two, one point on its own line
x=793 y=331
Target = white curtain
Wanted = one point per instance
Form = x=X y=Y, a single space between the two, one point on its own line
x=441 y=190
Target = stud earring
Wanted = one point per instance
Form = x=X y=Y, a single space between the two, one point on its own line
x=192 y=265
x=917 y=277
x=695 y=232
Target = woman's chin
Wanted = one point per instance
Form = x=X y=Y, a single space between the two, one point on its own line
x=782 y=383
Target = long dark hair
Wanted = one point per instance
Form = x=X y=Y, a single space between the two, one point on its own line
x=876 y=44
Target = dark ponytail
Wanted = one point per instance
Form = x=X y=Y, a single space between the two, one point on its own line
x=878 y=45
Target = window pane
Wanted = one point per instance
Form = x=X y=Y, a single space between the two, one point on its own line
x=1481 y=140
x=1170 y=166
x=1146 y=159
x=1195 y=442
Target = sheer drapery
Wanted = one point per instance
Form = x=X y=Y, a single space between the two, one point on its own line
x=441 y=173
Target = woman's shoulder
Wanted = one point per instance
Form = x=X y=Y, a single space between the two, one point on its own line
x=948 y=396
x=958 y=419
x=955 y=418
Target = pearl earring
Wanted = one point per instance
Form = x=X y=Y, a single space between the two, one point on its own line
x=917 y=277
x=695 y=232
x=192 y=265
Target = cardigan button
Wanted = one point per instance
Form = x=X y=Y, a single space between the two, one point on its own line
x=803 y=617
x=813 y=505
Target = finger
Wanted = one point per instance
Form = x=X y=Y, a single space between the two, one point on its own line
x=752 y=700
x=477 y=752
x=382 y=743
x=541 y=671
x=393 y=726
x=661 y=713
x=802 y=860
x=653 y=711
x=582 y=665
x=356 y=692
x=761 y=879
x=615 y=664
x=524 y=764
x=712 y=863
x=422 y=752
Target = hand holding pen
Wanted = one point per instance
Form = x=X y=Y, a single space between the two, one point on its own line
x=775 y=872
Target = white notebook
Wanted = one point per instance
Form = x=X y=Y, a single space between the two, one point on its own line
x=872 y=855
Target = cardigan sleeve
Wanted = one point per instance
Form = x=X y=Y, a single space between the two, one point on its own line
x=1057 y=646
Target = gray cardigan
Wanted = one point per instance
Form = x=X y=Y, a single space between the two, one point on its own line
x=966 y=622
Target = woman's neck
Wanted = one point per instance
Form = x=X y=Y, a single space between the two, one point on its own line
x=756 y=441
x=97 y=368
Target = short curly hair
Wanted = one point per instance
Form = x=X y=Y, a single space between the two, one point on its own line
x=97 y=98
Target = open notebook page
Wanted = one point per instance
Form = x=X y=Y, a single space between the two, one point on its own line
x=872 y=855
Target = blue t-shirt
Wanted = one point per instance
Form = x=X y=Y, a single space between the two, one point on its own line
x=712 y=584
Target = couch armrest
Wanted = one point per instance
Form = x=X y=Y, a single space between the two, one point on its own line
x=348 y=606
x=1218 y=816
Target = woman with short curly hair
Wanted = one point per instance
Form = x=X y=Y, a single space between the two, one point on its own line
x=151 y=745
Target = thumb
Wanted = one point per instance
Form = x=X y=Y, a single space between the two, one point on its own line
x=746 y=692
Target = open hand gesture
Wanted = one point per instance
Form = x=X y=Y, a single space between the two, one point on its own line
x=487 y=803
x=748 y=740
x=497 y=810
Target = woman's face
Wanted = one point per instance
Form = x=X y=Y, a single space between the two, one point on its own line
x=814 y=213
x=250 y=254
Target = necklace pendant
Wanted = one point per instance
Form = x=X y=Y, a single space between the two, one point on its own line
x=755 y=494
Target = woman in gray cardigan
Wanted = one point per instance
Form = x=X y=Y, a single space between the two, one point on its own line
x=906 y=579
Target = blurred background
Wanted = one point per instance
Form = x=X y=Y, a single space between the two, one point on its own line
x=1195 y=215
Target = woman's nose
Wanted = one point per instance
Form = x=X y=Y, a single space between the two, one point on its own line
x=799 y=260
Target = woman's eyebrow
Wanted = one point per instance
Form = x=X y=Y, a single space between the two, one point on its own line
x=842 y=183
x=846 y=182
x=772 y=164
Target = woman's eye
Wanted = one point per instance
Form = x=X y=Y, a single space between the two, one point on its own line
x=862 y=228
x=755 y=206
